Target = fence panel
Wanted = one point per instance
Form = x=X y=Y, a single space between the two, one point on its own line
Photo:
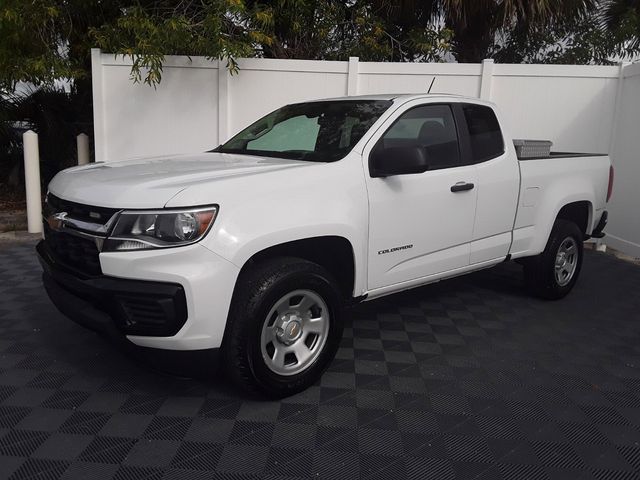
x=198 y=105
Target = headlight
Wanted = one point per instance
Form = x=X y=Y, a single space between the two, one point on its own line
x=144 y=230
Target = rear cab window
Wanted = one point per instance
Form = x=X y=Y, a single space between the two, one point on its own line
x=485 y=137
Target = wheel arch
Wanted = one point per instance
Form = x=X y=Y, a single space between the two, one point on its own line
x=335 y=253
x=580 y=213
x=576 y=208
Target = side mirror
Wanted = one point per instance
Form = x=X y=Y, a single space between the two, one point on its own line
x=385 y=162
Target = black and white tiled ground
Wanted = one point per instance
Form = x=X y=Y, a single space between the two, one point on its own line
x=469 y=378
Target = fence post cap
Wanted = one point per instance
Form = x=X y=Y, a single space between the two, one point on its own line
x=30 y=133
x=83 y=135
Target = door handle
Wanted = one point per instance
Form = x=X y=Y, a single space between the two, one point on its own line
x=462 y=187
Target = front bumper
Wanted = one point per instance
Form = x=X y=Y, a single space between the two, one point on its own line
x=182 y=294
x=110 y=305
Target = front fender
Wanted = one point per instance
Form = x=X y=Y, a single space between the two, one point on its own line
x=256 y=213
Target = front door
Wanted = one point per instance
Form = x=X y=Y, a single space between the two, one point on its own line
x=421 y=224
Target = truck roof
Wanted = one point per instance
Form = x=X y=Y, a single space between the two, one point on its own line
x=400 y=96
x=405 y=97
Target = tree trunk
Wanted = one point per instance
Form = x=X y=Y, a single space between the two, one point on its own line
x=472 y=40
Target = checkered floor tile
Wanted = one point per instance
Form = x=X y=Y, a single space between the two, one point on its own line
x=468 y=378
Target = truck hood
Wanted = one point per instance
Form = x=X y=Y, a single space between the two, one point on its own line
x=152 y=182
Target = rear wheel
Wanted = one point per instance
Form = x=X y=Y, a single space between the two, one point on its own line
x=284 y=326
x=553 y=273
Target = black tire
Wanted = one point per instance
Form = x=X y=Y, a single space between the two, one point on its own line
x=257 y=291
x=540 y=271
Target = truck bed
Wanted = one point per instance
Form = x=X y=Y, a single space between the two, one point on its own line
x=562 y=179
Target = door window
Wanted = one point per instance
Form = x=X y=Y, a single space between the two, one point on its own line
x=431 y=127
x=484 y=132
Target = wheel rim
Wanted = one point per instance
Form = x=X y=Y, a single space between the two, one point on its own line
x=566 y=261
x=294 y=332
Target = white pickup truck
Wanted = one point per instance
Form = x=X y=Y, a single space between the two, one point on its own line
x=252 y=249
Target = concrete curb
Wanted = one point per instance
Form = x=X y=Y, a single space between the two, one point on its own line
x=12 y=220
x=19 y=236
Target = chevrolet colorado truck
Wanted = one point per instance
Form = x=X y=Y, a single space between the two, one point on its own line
x=253 y=248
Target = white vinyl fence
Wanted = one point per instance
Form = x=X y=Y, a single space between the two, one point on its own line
x=623 y=232
x=199 y=104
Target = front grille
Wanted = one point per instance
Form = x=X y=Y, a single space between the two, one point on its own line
x=86 y=213
x=74 y=252
x=68 y=245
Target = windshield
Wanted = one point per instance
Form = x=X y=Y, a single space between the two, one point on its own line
x=322 y=131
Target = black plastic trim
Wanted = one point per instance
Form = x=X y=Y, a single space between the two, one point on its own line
x=466 y=155
x=602 y=223
x=563 y=155
x=462 y=187
x=359 y=299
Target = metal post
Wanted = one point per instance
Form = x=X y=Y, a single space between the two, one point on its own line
x=82 y=142
x=32 y=181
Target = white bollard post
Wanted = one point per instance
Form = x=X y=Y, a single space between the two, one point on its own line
x=83 y=149
x=32 y=181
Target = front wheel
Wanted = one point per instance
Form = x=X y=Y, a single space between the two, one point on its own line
x=284 y=326
x=553 y=273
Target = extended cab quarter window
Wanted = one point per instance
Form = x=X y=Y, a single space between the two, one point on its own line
x=432 y=127
x=485 y=136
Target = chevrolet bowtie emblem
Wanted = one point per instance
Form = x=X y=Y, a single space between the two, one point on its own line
x=57 y=220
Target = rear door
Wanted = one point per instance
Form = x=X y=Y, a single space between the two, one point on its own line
x=418 y=224
x=498 y=177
